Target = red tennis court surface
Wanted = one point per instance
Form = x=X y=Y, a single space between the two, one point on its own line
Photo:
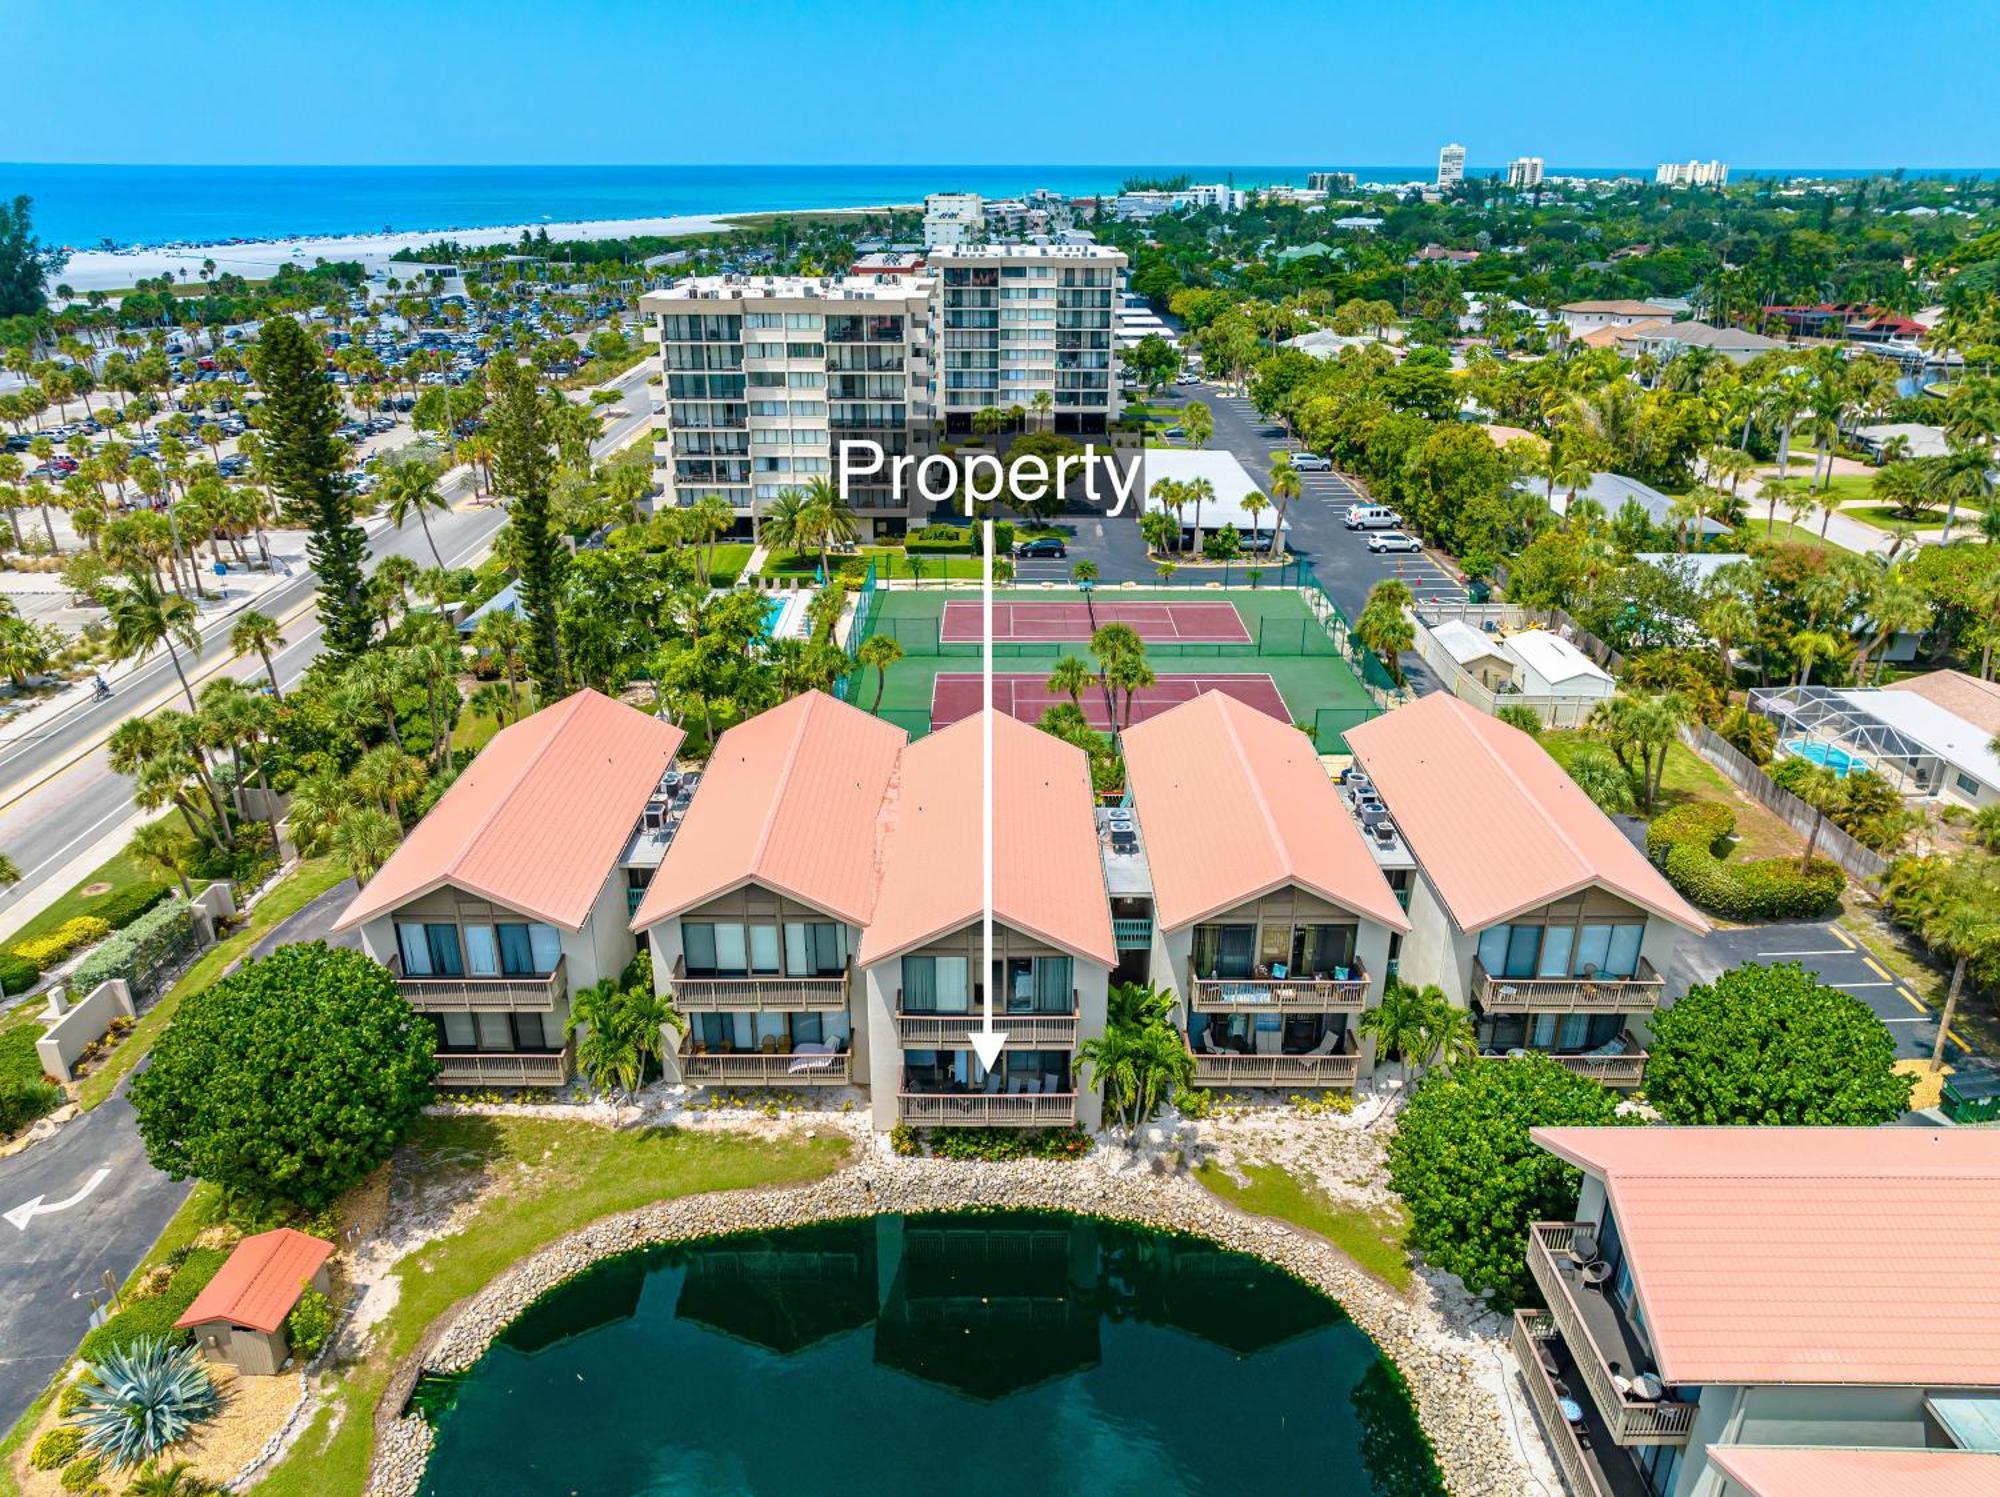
x=1199 y=623
x=955 y=695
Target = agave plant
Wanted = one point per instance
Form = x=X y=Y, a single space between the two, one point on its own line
x=148 y=1397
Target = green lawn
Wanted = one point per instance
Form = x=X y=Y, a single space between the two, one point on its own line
x=1885 y=517
x=19 y=1029
x=1689 y=777
x=305 y=883
x=120 y=871
x=563 y=1176
x=474 y=730
x=731 y=557
x=889 y=560
x=1784 y=533
x=1373 y=1239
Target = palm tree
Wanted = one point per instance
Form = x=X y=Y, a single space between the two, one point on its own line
x=1198 y=422
x=1254 y=504
x=171 y=852
x=362 y=838
x=829 y=520
x=258 y=633
x=1285 y=487
x=1384 y=626
x=1130 y=674
x=501 y=633
x=622 y=1029
x=1807 y=646
x=145 y=616
x=1964 y=924
x=787 y=524
x=411 y=488
x=1071 y=677
x=877 y=653
x=10 y=871
x=177 y=1480
x=1108 y=644
x=1043 y=402
x=1084 y=574
x=1398 y=1023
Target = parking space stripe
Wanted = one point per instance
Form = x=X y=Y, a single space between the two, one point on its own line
x=1841 y=936
x=1816 y=951
x=1851 y=986
x=1877 y=968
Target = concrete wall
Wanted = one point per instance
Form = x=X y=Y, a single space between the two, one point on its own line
x=78 y=1026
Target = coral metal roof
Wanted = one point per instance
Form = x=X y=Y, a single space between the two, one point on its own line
x=1048 y=876
x=790 y=800
x=1234 y=804
x=1497 y=825
x=1796 y=1471
x=261 y=1282
x=539 y=818
x=1808 y=1255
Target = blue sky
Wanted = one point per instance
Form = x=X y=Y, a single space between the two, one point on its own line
x=1579 y=82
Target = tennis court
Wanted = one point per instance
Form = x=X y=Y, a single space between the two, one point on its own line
x=1037 y=620
x=956 y=694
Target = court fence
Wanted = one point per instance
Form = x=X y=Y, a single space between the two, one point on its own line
x=861 y=623
x=1330 y=724
x=1277 y=638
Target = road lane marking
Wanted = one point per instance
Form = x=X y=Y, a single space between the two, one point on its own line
x=1841 y=936
x=27 y=1211
x=1816 y=951
x=1913 y=1000
x=1877 y=968
x=1851 y=986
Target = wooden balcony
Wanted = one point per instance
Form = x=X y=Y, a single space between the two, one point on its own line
x=1598 y=1333
x=1535 y=1340
x=987 y=1109
x=933 y=1031
x=767 y=1070
x=1319 y=995
x=498 y=1068
x=443 y=995
x=1625 y=1070
x=1638 y=994
x=1341 y=1068
x=757 y=994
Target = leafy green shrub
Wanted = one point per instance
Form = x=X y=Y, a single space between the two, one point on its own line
x=1060 y=1143
x=309 y=1324
x=121 y=907
x=71 y=1397
x=56 y=1449
x=906 y=1140
x=1863 y=804
x=1194 y=1102
x=1682 y=841
x=17 y=974
x=72 y=935
x=153 y=1319
x=80 y=1475
x=134 y=952
x=986 y=1145
x=1526 y=719
x=23 y=1099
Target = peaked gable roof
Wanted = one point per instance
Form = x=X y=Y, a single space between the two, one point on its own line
x=1496 y=823
x=790 y=800
x=1048 y=876
x=1822 y=1471
x=538 y=819
x=1782 y=1255
x=1233 y=804
x=261 y=1281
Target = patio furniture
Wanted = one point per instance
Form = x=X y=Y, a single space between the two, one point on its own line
x=1596 y=1275
x=1647 y=1385
x=1327 y=1046
x=812 y=1055
x=1572 y=1411
x=1583 y=1249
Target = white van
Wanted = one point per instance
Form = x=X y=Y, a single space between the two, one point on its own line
x=1372 y=517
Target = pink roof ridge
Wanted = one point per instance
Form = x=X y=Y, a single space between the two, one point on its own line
x=538 y=819
x=1781 y=1255
x=1825 y=1471
x=1208 y=778
x=261 y=1281
x=1048 y=874
x=792 y=800
x=1497 y=825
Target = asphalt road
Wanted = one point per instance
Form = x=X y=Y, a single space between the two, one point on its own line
x=63 y=811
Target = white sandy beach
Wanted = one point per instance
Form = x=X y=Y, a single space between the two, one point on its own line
x=104 y=270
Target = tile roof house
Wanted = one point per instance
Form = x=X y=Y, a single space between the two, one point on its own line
x=1586 y=316
x=1728 y=1288
x=512 y=892
x=1529 y=906
x=239 y=1315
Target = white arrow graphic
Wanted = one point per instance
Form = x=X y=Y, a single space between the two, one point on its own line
x=27 y=1211
x=987 y=1042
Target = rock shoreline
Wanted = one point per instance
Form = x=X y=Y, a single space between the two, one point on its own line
x=1474 y=1447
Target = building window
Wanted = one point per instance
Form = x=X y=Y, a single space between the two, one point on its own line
x=1966 y=784
x=429 y=949
x=936 y=985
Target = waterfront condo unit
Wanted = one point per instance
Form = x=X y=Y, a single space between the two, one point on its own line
x=1770 y=1312
x=1270 y=918
x=1527 y=904
x=512 y=893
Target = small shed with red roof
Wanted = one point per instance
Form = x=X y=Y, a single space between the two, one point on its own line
x=239 y=1318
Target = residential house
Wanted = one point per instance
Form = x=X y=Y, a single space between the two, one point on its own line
x=922 y=993
x=1271 y=919
x=761 y=897
x=1931 y=735
x=1733 y=1312
x=1854 y=322
x=512 y=893
x=1587 y=316
x=1664 y=339
x=1437 y=254
x=1611 y=492
x=1526 y=905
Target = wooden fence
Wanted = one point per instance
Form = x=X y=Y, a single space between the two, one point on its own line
x=1834 y=844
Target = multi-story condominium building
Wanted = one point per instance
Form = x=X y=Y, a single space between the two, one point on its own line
x=1734 y=1312
x=512 y=893
x=1692 y=174
x=1451 y=166
x=1270 y=918
x=1329 y=182
x=1525 y=173
x=1526 y=904
x=765 y=375
x=953 y=218
x=1011 y=320
x=1213 y=195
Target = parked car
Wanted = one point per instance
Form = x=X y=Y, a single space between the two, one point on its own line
x=1393 y=540
x=1372 y=517
x=1311 y=462
x=1041 y=545
x=1187 y=379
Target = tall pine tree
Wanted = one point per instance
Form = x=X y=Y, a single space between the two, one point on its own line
x=524 y=471
x=302 y=461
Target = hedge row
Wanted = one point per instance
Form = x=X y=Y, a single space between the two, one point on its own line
x=21 y=970
x=132 y=952
x=156 y=1316
x=52 y=946
x=1683 y=841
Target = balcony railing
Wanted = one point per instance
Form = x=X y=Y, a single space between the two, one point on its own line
x=1638 y=994
x=772 y=993
x=1593 y=1330
x=482 y=994
x=1628 y=1068
x=1578 y=1473
x=1340 y=1068
x=1033 y=1031
x=497 y=1068
x=1132 y=933
x=988 y=1109
x=767 y=1070
x=1303 y=994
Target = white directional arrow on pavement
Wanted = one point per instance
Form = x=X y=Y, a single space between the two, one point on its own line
x=27 y=1211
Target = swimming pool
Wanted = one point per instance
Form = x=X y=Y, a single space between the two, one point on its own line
x=1838 y=760
x=774 y=609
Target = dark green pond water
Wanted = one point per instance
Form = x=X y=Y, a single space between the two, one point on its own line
x=1018 y=1355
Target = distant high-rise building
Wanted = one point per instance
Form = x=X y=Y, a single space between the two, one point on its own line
x=1451 y=166
x=1525 y=172
x=953 y=218
x=1329 y=181
x=1692 y=174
